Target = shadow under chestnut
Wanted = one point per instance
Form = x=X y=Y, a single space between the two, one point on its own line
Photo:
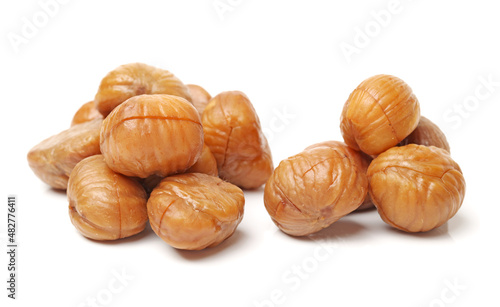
x=146 y=233
x=228 y=244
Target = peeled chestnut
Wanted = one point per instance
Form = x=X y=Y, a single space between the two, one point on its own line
x=194 y=211
x=104 y=205
x=427 y=133
x=135 y=79
x=85 y=113
x=53 y=159
x=199 y=96
x=416 y=188
x=313 y=189
x=205 y=164
x=379 y=113
x=234 y=135
x=152 y=135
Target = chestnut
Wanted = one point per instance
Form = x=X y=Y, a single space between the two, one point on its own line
x=416 y=188
x=379 y=113
x=152 y=135
x=104 y=205
x=194 y=211
x=311 y=190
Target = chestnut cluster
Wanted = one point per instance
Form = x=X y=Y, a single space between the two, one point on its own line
x=150 y=148
x=393 y=158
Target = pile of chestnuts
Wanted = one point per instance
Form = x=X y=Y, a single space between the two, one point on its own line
x=149 y=148
x=392 y=158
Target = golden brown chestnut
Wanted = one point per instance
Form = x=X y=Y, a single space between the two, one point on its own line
x=379 y=113
x=234 y=135
x=427 y=133
x=85 y=113
x=53 y=159
x=199 y=96
x=313 y=189
x=416 y=188
x=104 y=205
x=195 y=211
x=135 y=79
x=152 y=135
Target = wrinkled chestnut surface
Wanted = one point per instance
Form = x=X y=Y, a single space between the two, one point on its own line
x=363 y=162
x=53 y=159
x=234 y=135
x=152 y=135
x=104 y=205
x=85 y=113
x=135 y=79
x=427 y=133
x=200 y=97
x=416 y=188
x=194 y=211
x=379 y=114
x=313 y=189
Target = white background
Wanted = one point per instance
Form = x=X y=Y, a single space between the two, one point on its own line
x=287 y=57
